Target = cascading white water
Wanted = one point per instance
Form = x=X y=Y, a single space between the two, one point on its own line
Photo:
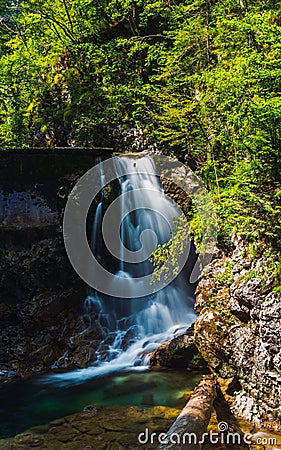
x=135 y=327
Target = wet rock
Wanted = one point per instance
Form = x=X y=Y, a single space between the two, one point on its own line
x=179 y=352
x=8 y=375
x=41 y=296
x=129 y=338
x=107 y=427
x=91 y=409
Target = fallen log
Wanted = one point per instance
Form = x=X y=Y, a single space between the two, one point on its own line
x=231 y=434
x=187 y=432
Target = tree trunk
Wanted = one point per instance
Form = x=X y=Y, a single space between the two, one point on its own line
x=188 y=429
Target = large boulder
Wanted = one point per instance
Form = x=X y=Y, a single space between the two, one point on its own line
x=180 y=352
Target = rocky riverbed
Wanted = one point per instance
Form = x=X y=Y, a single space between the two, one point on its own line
x=96 y=428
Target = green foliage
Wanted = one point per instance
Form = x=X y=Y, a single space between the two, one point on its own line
x=218 y=306
x=226 y=276
x=276 y=290
x=277 y=276
x=202 y=78
x=165 y=257
x=269 y=272
x=250 y=275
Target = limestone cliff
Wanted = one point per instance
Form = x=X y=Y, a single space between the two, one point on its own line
x=239 y=327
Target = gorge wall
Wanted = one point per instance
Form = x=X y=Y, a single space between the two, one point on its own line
x=239 y=326
x=41 y=297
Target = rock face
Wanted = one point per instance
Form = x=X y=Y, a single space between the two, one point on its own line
x=41 y=297
x=180 y=352
x=125 y=138
x=239 y=327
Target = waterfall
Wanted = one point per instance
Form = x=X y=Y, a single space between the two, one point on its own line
x=135 y=327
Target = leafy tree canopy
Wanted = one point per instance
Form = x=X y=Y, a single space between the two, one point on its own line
x=200 y=77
